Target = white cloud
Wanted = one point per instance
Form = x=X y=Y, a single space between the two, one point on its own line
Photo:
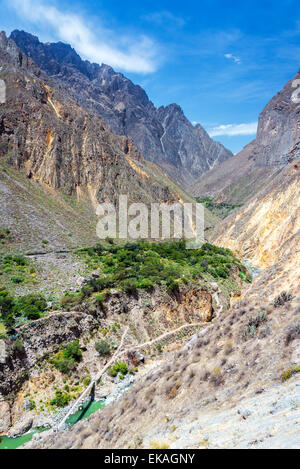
x=236 y=59
x=138 y=54
x=234 y=129
x=165 y=19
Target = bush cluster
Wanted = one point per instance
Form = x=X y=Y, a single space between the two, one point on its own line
x=288 y=374
x=103 y=348
x=5 y=234
x=284 y=297
x=119 y=367
x=30 y=306
x=61 y=399
x=66 y=360
x=144 y=265
x=220 y=209
x=253 y=324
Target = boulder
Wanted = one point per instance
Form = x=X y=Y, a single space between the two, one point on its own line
x=3 y=352
x=21 y=427
x=4 y=417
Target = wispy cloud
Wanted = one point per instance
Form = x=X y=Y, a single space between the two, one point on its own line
x=236 y=59
x=234 y=129
x=138 y=54
x=165 y=19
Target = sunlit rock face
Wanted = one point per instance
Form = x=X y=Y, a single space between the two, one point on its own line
x=2 y=92
x=48 y=135
x=164 y=136
x=267 y=232
x=278 y=135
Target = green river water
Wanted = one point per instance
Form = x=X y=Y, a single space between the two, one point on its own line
x=87 y=410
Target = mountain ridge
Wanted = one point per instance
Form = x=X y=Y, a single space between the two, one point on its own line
x=163 y=135
x=275 y=146
x=60 y=143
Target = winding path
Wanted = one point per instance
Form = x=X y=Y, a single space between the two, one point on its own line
x=120 y=352
x=88 y=390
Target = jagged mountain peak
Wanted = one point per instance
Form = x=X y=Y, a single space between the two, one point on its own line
x=164 y=136
x=173 y=107
x=63 y=145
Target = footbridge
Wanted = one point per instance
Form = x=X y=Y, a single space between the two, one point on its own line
x=90 y=390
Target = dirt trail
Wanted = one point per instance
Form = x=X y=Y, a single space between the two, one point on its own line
x=93 y=383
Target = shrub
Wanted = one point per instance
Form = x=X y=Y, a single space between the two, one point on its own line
x=253 y=325
x=6 y=303
x=146 y=284
x=217 y=377
x=71 y=300
x=283 y=298
x=119 y=367
x=87 y=380
x=5 y=234
x=7 y=312
x=129 y=286
x=18 y=346
x=286 y=375
x=101 y=298
x=172 y=286
x=61 y=399
x=103 y=348
x=32 y=305
x=174 y=390
x=66 y=360
x=20 y=260
x=17 y=279
x=63 y=365
x=73 y=351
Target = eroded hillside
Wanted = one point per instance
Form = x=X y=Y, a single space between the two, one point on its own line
x=45 y=133
x=266 y=232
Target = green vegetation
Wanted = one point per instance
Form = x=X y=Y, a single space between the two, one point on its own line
x=253 y=325
x=18 y=346
x=119 y=367
x=32 y=305
x=103 y=348
x=5 y=235
x=66 y=359
x=86 y=381
x=70 y=300
x=15 y=269
x=221 y=209
x=3 y=334
x=144 y=265
x=286 y=375
x=61 y=399
x=284 y=297
x=14 y=311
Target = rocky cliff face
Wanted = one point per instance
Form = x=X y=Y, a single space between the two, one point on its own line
x=164 y=136
x=45 y=132
x=221 y=390
x=267 y=233
x=277 y=143
x=278 y=135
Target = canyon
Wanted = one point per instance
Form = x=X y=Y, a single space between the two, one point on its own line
x=211 y=350
x=164 y=136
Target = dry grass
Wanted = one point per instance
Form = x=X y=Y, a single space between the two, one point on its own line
x=181 y=384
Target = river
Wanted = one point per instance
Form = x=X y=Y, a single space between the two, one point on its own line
x=86 y=410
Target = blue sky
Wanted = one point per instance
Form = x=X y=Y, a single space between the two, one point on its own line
x=220 y=60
